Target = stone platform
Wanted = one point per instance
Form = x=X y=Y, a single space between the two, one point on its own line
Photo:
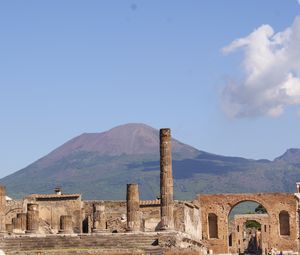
x=101 y=243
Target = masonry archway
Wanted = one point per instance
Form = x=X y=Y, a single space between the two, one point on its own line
x=246 y=222
x=222 y=204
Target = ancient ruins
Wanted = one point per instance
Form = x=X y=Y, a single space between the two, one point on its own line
x=61 y=223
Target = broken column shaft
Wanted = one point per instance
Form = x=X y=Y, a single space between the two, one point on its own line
x=133 y=207
x=166 y=180
x=32 y=221
x=99 y=223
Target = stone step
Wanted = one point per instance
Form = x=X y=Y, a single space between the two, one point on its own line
x=33 y=244
x=16 y=244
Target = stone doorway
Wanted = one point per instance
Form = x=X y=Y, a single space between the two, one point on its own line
x=248 y=224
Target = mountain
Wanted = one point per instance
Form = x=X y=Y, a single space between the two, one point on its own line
x=291 y=156
x=99 y=165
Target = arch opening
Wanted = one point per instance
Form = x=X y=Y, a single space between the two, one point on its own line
x=284 y=223
x=212 y=225
x=245 y=227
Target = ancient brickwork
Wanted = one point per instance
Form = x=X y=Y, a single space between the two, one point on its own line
x=238 y=232
x=222 y=204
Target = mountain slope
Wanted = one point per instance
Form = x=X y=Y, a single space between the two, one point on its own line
x=99 y=165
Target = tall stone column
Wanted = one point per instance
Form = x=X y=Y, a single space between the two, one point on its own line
x=2 y=209
x=32 y=221
x=133 y=208
x=166 y=180
x=66 y=225
x=99 y=222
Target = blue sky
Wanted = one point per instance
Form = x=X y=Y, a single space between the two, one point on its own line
x=68 y=67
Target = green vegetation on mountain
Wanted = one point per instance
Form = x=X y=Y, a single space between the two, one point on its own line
x=99 y=165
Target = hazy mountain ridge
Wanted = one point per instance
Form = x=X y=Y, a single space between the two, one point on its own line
x=99 y=165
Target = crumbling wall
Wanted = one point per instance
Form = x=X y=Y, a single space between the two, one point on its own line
x=238 y=231
x=274 y=203
x=51 y=209
x=115 y=214
x=187 y=219
x=12 y=208
x=187 y=216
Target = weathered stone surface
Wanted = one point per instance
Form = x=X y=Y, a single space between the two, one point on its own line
x=32 y=220
x=17 y=225
x=52 y=206
x=2 y=209
x=66 y=224
x=99 y=221
x=102 y=243
x=238 y=233
x=222 y=204
x=22 y=217
x=166 y=180
x=133 y=207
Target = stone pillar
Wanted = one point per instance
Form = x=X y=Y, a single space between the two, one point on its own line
x=66 y=225
x=16 y=222
x=133 y=208
x=2 y=209
x=99 y=222
x=22 y=217
x=166 y=180
x=32 y=220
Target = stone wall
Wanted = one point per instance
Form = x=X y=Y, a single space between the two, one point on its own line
x=187 y=219
x=238 y=231
x=222 y=204
x=115 y=214
x=12 y=208
x=52 y=207
x=186 y=216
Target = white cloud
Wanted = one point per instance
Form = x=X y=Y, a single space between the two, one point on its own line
x=271 y=67
x=298 y=1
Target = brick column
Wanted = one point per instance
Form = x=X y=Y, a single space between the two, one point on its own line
x=166 y=180
x=66 y=225
x=2 y=209
x=22 y=217
x=32 y=220
x=99 y=222
x=133 y=208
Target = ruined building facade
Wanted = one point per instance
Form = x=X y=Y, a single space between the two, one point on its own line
x=63 y=223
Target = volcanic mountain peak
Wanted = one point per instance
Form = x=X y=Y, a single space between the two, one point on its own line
x=291 y=156
x=129 y=139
